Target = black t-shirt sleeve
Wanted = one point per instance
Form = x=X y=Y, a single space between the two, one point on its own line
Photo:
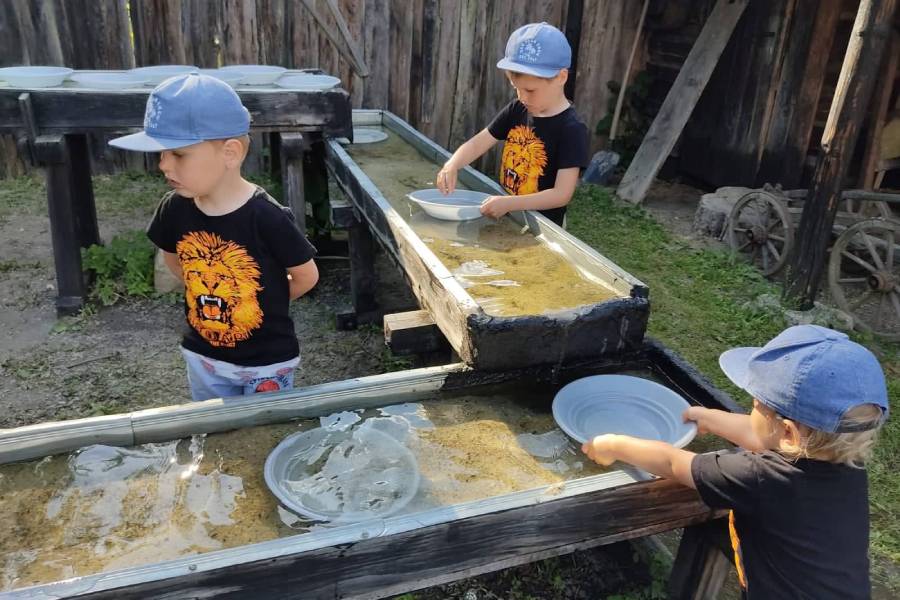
x=502 y=123
x=574 y=147
x=728 y=479
x=285 y=240
x=161 y=230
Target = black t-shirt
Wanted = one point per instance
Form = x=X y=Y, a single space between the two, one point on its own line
x=800 y=529
x=536 y=148
x=236 y=288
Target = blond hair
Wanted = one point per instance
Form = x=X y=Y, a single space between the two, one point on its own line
x=852 y=448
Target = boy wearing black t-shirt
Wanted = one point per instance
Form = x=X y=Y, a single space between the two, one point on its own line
x=546 y=144
x=798 y=491
x=240 y=254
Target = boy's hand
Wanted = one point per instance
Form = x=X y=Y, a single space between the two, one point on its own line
x=599 y=449
x=497 y=206
x=446 y=179
x=698 y=415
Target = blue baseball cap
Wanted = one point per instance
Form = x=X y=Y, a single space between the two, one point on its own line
x=186 y=110
x=810 y=374
x=538 y=49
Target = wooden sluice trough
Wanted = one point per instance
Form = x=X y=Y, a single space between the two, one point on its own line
x=427 y=544
x=523 y=318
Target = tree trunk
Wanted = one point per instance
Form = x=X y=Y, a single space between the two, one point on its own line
x=870 y=35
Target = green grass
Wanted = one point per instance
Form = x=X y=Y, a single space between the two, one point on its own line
x=699 y=308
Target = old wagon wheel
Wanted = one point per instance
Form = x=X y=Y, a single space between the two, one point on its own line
x=761 y=228
x=864 y=276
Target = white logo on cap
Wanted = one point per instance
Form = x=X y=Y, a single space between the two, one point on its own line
x=154 y=111
x=530 y=51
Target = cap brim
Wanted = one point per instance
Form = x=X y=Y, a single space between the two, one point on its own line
x=141 y=142
x=508 y=65
x=735 y=363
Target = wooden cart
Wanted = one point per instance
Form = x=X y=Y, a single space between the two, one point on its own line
x=863 y=266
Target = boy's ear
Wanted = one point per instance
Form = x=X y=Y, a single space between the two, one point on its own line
x=563 y=76
x=234 y=152
x=791 y=433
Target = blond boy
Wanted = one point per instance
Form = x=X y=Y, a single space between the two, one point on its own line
x=797 y=490
x=240 y=254
x=546 y=143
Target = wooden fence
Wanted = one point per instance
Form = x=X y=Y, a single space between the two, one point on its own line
x=432 y=61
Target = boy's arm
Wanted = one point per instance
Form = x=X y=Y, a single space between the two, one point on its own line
x=171 y=260
x=658 y=458
x=302 y=278
x=559 y=195
x=733 y=427
x=477 y=145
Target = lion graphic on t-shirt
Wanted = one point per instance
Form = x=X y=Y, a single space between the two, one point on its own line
x=524 y=159
x=221 y=282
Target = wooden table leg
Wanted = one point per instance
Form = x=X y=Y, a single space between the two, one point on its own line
x=84 y=208
x=316 y=184
x=53 y=152
x=292 y=147
x=702 y=563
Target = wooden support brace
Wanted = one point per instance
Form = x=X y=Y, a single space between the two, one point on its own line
x=342 y=214
x=702 y=562
x=413 y=332
x=292 y=147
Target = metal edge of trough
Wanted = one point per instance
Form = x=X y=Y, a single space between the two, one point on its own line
x=617 y=324
x=316 y=540
x=210 y=416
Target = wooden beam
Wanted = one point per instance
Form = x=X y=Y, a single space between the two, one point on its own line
x=377 y=565
x=681 y=99
x=291 y=148
x=803 y=72
x=881 y=104
x=345 y=44
x=702 y=563
x=868 y=40
x=413 y=332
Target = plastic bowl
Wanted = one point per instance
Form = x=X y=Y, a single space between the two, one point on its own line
x=622 y=404
x=461 y=205
x=109 y=81
x=256 y=74
x=308 y=82
x=159 y=73
x=232 y=78
x=342 y=476
x=34 y=77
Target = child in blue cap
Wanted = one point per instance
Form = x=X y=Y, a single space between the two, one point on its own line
x=546 y=143
x=241 y=256
x=797 y=488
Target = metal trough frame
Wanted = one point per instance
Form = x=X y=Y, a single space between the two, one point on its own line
x=484 y=341
x=384 y=557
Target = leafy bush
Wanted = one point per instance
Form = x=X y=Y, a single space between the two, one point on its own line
x=124 y=267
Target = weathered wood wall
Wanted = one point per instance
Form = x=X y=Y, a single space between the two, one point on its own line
x=432 y=61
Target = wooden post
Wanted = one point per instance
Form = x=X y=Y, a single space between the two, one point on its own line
x=869 y=38
x=362 y=271
x=53 y=152
x=702 y=563
x=84 y=209
x=315 y=184
x=292 y=147
x=803 y=73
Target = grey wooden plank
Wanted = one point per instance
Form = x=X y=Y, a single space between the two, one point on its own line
x=681 y=99
x=73 y=110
